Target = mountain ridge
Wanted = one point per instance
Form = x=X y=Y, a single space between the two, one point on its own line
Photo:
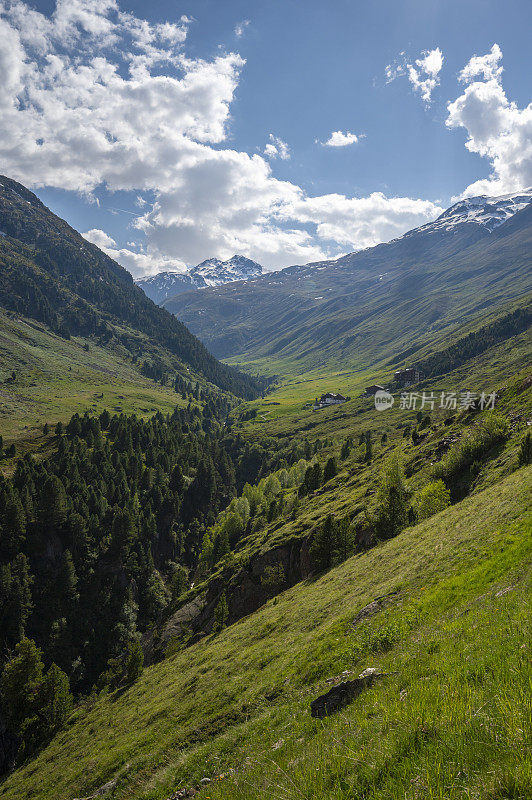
x=211 y=272
x=321 y=311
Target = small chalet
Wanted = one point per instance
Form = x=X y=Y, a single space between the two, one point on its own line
x=369 y=391
x=329 y=399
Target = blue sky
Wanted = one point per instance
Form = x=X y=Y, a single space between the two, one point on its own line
x=168 y=144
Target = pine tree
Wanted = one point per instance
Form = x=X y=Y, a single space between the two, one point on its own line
x=19 y=685
x=54 y=701
x=346 y=449
x=221 y=545
x=369 y=448
x=53 y=502
x=393 y=501
x=330 y=470
x=134 y=661
x=65 y=587
x=12 y=522
x=122 y=532
x=221 y=613
x=323 y=544
x=15 y=600
x=345 y=540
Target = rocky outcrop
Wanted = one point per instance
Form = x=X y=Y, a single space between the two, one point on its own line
x=246 y=590
x=344 y=693
x=103 y=790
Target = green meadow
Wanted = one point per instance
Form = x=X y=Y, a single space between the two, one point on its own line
x=55 y=378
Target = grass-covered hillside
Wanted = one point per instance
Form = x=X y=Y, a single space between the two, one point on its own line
x=55 y=377
x=449 y=620
x=182 y=571
x=50 y=273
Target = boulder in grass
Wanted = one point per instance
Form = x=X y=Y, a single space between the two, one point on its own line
x=344 y=693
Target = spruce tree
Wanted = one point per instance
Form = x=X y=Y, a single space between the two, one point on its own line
x=330 y=470
x=54 y=702
x=134 y=661
x=369 y=448
x=323 y=544
x=221 y=613
x=393 y=501
x=19 y=686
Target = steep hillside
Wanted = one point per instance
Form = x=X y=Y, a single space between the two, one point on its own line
x=275 y=565
x=50 y=273
x=366 y=306
x=46 y=378
x=235 y=708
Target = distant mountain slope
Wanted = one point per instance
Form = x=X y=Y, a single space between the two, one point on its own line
x=50 y=273
x=211 y=272
x=377 y=302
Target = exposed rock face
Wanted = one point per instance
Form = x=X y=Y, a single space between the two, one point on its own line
x=344 y=693
x=245 y=592
x=375 y=606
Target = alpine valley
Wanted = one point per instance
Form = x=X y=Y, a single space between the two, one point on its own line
x=245 y=578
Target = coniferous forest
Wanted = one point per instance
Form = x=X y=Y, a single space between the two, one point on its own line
x=100 y=538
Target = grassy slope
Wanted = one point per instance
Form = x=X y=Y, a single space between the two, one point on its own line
x=440 y=727
x=56 y=378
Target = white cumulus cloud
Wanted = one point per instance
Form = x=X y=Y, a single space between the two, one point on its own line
x=341 y=139
x=423 y=74
x=496 y=127
x=487 y=66
x=276 y=148
x=93 y=97
x=137 y=261
x=99 y=238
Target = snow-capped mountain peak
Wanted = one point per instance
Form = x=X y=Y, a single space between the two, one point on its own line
x=489 y=212
x=212 y=272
